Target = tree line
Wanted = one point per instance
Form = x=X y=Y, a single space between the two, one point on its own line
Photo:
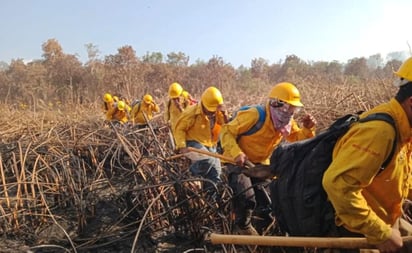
x=62 y=77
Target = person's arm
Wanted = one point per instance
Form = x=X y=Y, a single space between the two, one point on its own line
x=183 y=123
x=243 y=121
x=357 y=158
x=223 y=114
x=156 y=107
x=297 y=133
x=176 y=102
x=393 y=244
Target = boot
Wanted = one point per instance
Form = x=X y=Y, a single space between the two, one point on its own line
x=244 y=226
x=248 y=230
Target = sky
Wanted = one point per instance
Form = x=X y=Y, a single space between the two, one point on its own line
x=238 y=31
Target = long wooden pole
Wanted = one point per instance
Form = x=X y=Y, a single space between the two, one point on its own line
x=309 y=242
x=216 y=155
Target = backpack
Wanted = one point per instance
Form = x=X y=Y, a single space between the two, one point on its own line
x=136 y=102
x=258 y=125
x=299 y=202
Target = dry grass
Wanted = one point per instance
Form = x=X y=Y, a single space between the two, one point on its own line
x=71 y=183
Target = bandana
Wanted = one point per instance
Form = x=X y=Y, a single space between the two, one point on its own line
x=281 y=120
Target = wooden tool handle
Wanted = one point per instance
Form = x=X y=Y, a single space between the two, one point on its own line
x=216 y=155
x=310 y=242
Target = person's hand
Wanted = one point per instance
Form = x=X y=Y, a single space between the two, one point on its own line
x=222 y=108
x=308 y=121
x=240 y=159
x=393 y=244
x=183 y=150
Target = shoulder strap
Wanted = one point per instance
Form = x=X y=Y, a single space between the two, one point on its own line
x=387 y=118
x=258 y=125
x=138 y=106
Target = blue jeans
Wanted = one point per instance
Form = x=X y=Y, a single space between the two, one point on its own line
x=209 y=168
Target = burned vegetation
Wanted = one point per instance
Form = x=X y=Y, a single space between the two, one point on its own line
x=73 y=184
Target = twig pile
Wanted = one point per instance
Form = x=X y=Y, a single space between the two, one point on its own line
x=84 y=186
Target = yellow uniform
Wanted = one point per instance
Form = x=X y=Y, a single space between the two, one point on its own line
x=367 y=202
x=193 y=125
x=259 y=146
x=107 y=107
x=173 y=112
x=148 y=108
x=114 y=114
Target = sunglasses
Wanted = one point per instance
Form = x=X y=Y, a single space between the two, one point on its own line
x=283 y=106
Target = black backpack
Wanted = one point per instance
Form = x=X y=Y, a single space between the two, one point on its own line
x=299 y=201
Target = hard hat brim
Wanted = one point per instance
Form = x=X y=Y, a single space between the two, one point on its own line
x=296 y=103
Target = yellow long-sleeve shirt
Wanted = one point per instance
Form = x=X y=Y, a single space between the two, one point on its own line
x=258 y=147
x=172 y=112
x=137 y=112
x=193 y=125
x=367 y=202
x=115 y=114
x=106 y=108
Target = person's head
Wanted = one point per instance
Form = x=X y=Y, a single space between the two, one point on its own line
x=107 y=98
x=147 y=98
x=175 y=90
x=211 y=99
x=185 y=94
x=284 y=101
x=404 y=82
x=121 y=105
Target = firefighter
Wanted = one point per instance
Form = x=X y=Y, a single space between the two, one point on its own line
x=144 y=110
x=119 y=114
x=368 y=200
x=277 y=124
x=199 y=126
x=108 y=104
x=174 y=105
x=188 y=99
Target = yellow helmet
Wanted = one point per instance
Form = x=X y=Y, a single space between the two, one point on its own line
x=185 y=94
x=107 y=98
x=211 y=99
x=175 y=90
x=121 y=105
x=405 y=70
x=147 y=99
x=286 y=92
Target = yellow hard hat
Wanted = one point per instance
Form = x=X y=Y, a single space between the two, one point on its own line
x=405 y=70
x=147 y=98
x=107 y=98
x=211 y=99
x=175 y=90
x=185 y=94
x=286 y=92
x=121 y=105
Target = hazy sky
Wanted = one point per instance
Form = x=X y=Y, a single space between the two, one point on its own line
x=236 y=30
